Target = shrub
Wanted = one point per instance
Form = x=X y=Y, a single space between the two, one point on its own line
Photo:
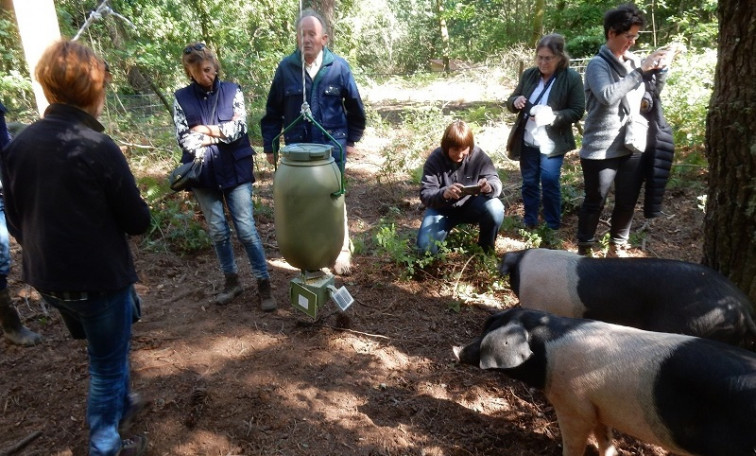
x=687 y=94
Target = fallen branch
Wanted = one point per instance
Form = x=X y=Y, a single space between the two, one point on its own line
x=379 y=336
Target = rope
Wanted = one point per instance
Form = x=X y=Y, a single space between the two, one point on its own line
x=102 y=10
x=305 y=109
x=305 y=114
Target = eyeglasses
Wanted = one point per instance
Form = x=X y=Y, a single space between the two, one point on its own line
x=630 y=37
x=545 y=58
x=196 y=47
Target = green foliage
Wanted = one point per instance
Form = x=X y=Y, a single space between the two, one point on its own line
x=15 y=86
x=689 y=165
x=11 y=57
x=694 y=23
x=377 y=37
x=571 y=181
x=399 y=249
x=176 y=226
x=687 y=93
x=406 y=147
x=17 y=96
x=582 y=46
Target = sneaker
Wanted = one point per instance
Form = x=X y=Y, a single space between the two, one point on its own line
x=133 y=446
x=231 y=289
x=617 y=251
x=136 y=405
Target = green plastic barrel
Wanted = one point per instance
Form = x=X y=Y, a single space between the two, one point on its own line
x=309 y=219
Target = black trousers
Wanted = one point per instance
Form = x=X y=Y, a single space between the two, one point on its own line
x=626 y=174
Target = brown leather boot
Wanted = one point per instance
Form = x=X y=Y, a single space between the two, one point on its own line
x=267 y=302
x=231 y=289
x=11 y=323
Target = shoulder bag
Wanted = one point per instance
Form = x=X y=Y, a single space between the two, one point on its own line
x=185 y=175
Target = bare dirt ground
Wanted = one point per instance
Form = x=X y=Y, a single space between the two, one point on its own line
x=377 y=380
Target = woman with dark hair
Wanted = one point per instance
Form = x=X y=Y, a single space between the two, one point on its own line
x=460 y=185
x=614 y=89
x=71 y=201
x=211 y=123
x=549 y=99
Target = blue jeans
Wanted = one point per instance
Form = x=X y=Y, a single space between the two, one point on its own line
x=239 y=202
x=5 y=259
x=487 y=213
x=539 y=170
x=106 y=321
x=626 y=173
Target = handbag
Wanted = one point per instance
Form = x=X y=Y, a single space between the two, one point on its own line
x=185 y=175
x=513 y=152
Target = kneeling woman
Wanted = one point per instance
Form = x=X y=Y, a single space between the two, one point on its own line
x=460 y=185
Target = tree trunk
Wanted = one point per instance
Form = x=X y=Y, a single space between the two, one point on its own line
x=444 y=36
x=730 y=224
x=538 y=12
x=326 y=9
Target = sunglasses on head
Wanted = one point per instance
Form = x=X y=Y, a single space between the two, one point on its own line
x=196 y=47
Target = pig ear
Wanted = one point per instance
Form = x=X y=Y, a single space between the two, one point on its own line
x=505 y=347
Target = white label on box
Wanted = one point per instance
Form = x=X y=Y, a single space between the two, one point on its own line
x=303 y=302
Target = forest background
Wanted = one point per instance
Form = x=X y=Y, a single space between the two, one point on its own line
x=379 y=379
x=389 y=44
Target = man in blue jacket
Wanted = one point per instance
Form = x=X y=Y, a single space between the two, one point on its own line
x=331 y=94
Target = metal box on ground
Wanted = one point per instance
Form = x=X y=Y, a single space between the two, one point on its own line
x=308 y=294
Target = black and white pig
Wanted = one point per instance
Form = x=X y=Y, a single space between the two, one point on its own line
x=689 y=395
x=647 y=293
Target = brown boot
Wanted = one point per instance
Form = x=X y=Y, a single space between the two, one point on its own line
x=11 y=323
x=231 y=289
x=267 y=302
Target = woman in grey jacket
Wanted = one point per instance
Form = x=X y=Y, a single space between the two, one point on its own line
x=613 y=75
x=549 y=98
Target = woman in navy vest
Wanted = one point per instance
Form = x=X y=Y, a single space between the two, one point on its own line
x=211 y=122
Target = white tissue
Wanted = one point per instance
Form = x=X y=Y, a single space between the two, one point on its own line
x=543 y=115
